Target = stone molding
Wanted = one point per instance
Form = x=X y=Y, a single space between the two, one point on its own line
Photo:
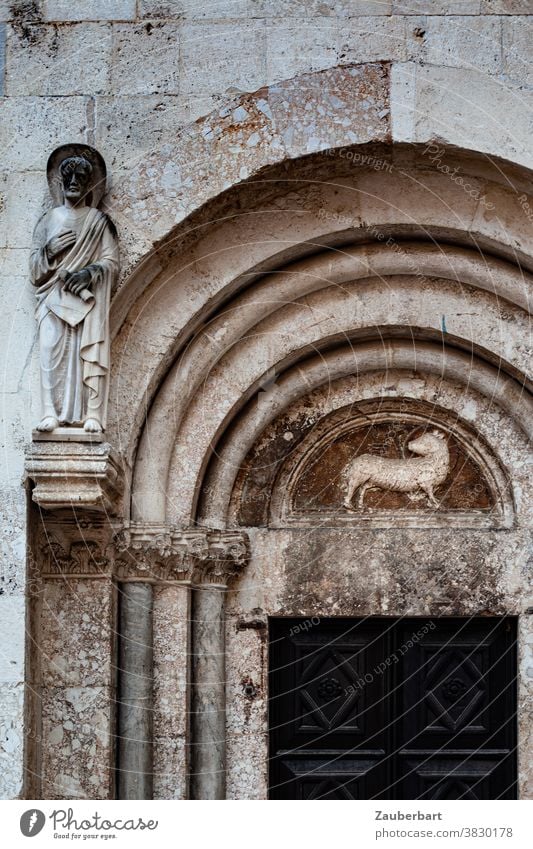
x=68 y=474
x=152 y=554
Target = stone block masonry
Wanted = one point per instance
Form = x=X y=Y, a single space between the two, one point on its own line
x=155 y=85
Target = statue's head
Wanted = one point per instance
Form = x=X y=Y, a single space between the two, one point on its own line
x=76 y=178
x=76 y=174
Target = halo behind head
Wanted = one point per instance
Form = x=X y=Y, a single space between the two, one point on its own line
x=83 y=151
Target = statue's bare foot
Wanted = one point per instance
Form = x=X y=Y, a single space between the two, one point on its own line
x=48 y=424
x=349 y=506
x=92 y=426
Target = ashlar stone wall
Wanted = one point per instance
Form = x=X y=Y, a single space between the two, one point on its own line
x=129 y=76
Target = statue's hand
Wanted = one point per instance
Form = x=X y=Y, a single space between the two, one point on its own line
x=77 y=281
x=60 y=243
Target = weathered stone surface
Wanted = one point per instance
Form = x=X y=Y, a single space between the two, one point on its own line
x=24 y=191
x=221 y=42
x=128 y=128
x=74 y=474
x=171 y=638
x=12 y=733
x=247 y=774
x=456 y=41
x=159 y=40
x=470 y=112
x=171 y=678
x=52 y=62
x=16 y=329
x=135 y=689
x=525 y=700
x=435 y=7
x=32 y=127
x=89 y=10
x=191 y=10
x=260 y=128
x=351 y=8
x=373 y=39
x=208 y=764
x=299 y=46
x=78 y=632
x=13 y=544
x=77 y=732
x=302 y=575
x=317 y=9
x=12 y=655
x=517 y=35
x=247 y=690
x=171 y=768
x=505 y=7
x=2 y=57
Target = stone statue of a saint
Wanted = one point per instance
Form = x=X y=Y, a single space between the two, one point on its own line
x=74 y=262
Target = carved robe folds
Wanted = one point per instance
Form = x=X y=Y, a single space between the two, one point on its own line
x=73 y=330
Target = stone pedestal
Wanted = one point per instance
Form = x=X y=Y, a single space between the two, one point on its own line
x=82 y=474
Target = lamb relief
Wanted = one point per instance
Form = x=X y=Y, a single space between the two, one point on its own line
x=424 y=472
x=74 y=263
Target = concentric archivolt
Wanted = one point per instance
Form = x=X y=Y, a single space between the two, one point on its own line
x=339 y=229
x=211 y=381
x=465 y=389
x=230 y=322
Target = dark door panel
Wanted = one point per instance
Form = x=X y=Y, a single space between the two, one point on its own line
x=320 y=694
x=334 y=775
x=393 y=709
x=479 y=775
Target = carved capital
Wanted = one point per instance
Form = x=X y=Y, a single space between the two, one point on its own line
x=88 y=558
x=228 y=554
x=154 y=553
x=159 y=553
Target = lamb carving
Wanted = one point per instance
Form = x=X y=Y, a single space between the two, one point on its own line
x=425 y=472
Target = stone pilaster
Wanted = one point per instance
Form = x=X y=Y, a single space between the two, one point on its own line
x=525 y=701
x=76 y=636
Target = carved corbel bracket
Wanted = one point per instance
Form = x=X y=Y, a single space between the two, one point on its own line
x=85 y=476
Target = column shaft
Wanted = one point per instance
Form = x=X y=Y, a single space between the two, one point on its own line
x=135 y=708
x=208 y=755
x=171 y=690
